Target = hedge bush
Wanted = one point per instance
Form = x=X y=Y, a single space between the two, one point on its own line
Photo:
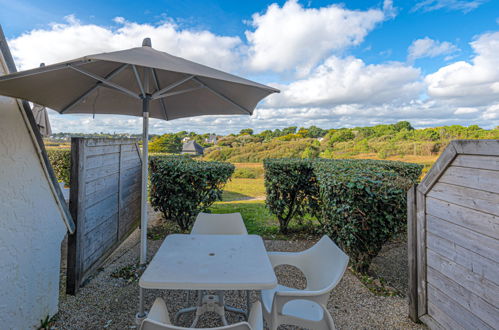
x=291 y=189
x=361 y=204
x=61 y=163
x=181 y=187
x=362 y=208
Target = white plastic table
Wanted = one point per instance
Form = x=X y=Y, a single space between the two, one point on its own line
x=210 y=262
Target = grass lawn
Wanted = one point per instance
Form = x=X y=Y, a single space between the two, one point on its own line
x=241 y=189
x=260 y=221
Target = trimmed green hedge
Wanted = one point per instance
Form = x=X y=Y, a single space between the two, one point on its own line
x=361 y=204
x=362 y=208
x=181 y=187
x=291 y=189
x=61 y=163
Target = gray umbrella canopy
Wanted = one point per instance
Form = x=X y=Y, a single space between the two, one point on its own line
x=138 y=82
x=112 y=83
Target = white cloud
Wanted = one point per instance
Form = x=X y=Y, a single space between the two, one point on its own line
x=460 y=5
x=51 y=45
x=295 y=38
x=351 y=81
x=465 y=111
x=427 y=47
x=492 y=113
x=334 y=90
x=474 y=83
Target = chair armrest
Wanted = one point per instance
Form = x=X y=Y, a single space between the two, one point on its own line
x=159 y=312
x=286 y=258
x=299 y=293
x=255 y=318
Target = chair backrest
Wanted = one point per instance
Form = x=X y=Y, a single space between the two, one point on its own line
x=323 y=265
x=219 y=224
x=148 y=324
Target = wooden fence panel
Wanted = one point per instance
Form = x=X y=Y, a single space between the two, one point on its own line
x=456 y=243
x=104 y=202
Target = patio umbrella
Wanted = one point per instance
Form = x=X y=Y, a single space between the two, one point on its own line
x=42 y=119
x=138 y=82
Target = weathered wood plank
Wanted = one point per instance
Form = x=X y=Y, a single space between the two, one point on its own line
x=128 y=199
x=99 y=238
x=477 y=147
x=129 y=219
x=102 y=150
x=477 y=161
x=98 y=185
x=99 y=195
x=484 y=223
x=129 y=154
x=437 y=319
x=448 y=306
x=421 y=252
x=485 y=246
x=93 y=142
x=485 y=180
x=412 y=253
x=131 y=163
x=102 y=160
x=130 y=178
x=468 y=300
x=437 y=169
x=101 y=172
x=466 y=278
x=478 y=200
x=447 y=310
x=474 y=262
x=99 y=212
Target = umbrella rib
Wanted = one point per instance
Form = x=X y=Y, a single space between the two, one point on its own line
x=97 y=85
x=44 y=69
x=224 y=97
x=180 y=92
x=138 y=80
x=156 y=82
x=157 y=94
x=106 y=82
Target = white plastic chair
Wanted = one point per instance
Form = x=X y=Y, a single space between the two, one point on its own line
x=219 y=224
x=158 y=319
x=323 y=266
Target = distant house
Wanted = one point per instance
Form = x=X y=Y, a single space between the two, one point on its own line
x=192 y=148
x=211 y=139
x=34 y=217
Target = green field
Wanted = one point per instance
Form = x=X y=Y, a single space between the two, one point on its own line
x=260 y=221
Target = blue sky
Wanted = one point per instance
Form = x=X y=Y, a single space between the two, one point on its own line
x=339 y=64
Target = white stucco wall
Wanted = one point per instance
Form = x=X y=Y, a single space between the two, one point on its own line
x=31 y=227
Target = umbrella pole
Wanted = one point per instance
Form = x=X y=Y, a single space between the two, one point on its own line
x=143 y=206
x=145 y=160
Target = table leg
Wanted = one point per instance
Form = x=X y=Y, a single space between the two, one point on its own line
x=247 y=304
x=188 y=310
x=141 y=315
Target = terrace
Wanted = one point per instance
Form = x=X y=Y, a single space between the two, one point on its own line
x=366 y=243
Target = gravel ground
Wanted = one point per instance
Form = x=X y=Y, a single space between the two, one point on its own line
x=391 y=264
x=108 y=302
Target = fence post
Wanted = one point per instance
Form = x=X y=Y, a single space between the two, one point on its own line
x=74 y=240
x=412 y=253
